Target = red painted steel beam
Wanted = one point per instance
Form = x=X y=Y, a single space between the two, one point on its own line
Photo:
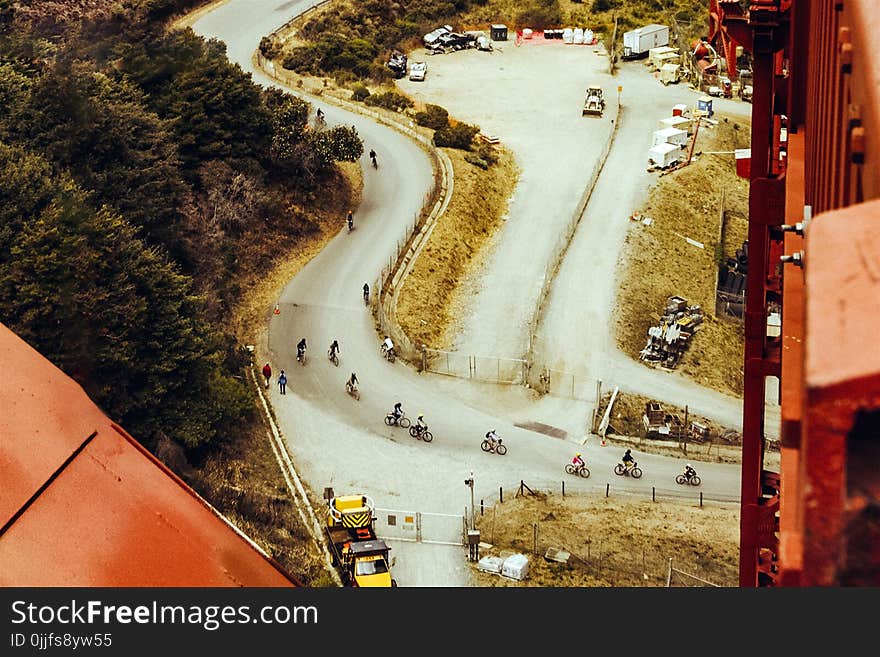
x=765 y=30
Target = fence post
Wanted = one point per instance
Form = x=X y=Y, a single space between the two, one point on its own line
x=534 y=538
x=607 y=489
x=500 y=494
x=653 y=494
x=563 y=488
x=481 y=507
x=669 y=574
x=701 y=498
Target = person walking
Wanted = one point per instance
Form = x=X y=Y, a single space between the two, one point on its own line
x=366 y=293
x=350 y=221
x=267 y=374
x=282 y=382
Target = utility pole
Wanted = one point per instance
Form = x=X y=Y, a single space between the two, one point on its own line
x=469 y=482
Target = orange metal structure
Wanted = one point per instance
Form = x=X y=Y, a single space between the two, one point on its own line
x=813 y=248
x=83 y=504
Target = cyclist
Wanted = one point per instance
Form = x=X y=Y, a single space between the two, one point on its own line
x=334 y=348
x=628 y=459
x=373 y=157
x=366 y=293
x=492 y=437
x=387 y=346
x=689 y=471
x=301 y=349
x=421 y=425
x=577 y=461
x=397 y=412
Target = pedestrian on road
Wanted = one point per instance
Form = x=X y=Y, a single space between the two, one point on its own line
x=350 y=220
x=282 y=382
x=366 y=293
x=267 y=374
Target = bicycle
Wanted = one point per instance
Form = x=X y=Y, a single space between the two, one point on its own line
x=403 y=421
x=417 y=431
x=581 y=470
x=331 y=354
x=634 y=470
x=496 y=447
x=301 y=357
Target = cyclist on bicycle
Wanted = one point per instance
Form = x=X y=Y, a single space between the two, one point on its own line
x=577 y=461
x=301 y=349
x=334 y=348
x=421 y=425
x=628 y=460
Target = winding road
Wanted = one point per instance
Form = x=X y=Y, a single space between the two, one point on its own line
x=340 y=442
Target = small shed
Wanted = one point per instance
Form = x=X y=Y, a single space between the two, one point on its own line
x=516 y=566
x=664 y=155
x=498 y=32
x=704 y=106
x=669 y=73
x=743 y=162
x=671 y=136
x=654 y=53
x=680 y=122
x=679 y=109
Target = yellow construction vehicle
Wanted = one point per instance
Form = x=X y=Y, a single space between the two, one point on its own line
x=360 y=557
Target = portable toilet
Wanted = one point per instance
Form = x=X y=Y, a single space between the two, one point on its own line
x=704 y=106
x=679 y=109
x=670 y=136
x=664 y=155
x=527 y=33
x=498 y=32
x=578 y=35
x=567 y=35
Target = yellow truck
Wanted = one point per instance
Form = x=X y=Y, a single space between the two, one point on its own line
x=359 y=555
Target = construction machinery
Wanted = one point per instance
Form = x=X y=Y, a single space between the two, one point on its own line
x=594 y=102
x=359 y=555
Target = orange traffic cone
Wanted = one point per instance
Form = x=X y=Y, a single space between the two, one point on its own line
x=277 y=310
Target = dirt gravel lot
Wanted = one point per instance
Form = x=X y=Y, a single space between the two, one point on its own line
x=531 y=98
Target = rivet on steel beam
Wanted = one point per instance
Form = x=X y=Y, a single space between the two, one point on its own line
x=846 y=56
x=857 y=145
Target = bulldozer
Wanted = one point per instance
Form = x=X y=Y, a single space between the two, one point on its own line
x=594 y=102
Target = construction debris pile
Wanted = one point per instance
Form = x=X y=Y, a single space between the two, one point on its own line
x=660 y=424
x=668 y=340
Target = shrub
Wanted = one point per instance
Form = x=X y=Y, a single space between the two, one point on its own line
x=269 y=48
x=434 y=117
x=539 y=15
x=476 y=160
x=359 y=93
x=487 y=153
x=460 y=136
x=389 y=100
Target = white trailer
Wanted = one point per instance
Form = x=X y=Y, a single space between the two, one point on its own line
x=637 y=43
x=664 y=155
x=670 y=136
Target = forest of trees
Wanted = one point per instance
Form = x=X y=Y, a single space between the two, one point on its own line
x=142 y=177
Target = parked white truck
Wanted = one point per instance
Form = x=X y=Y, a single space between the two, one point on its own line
x=637 y=43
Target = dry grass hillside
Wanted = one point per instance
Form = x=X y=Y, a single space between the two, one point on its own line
x=434 y=293
x=657 y=262
x=613 y=541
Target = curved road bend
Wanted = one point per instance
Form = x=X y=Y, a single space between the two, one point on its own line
x=337 y=441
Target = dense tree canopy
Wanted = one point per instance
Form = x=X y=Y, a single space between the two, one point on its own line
x=137 y=166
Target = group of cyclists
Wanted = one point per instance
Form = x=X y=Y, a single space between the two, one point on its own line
x=628 y=462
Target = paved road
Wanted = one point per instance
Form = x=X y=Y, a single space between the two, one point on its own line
x=337 y=441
